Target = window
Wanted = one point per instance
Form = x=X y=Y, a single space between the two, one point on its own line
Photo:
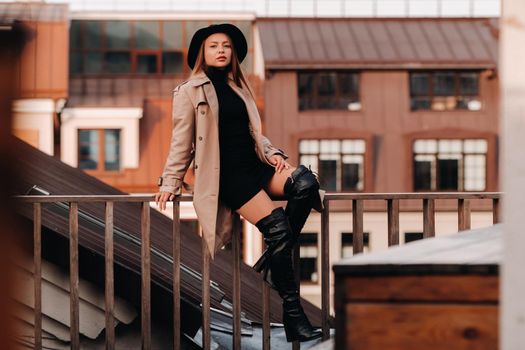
x=444 y=90
x=328 y=90
x=455 y=165
x=339 y=163
x=347 y=244
x=99 y=149
x=119 y=47
x=413 y=236
x=308 y=257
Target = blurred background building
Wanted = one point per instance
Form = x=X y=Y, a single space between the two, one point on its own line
x=376 y=96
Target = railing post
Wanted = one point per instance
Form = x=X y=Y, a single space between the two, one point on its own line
x=463 y=214
x=393 y=221
x=236 y=251
x=73 y=275
x=176 y=275
x=265 y=315
x=206 y=333
x=325 y=270
x=146 y=277
x=496 y=211
x=109 y=284
x=296 y=256
x=37 y=256
x=357 y=225
x=429 y=229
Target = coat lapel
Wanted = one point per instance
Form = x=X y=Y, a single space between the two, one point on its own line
x=211 y=97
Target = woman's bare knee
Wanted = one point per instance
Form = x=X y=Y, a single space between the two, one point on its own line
x=257 y=207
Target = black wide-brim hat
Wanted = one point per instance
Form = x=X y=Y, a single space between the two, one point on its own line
x=235 y=34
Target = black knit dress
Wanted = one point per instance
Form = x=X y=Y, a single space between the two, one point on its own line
x=242 y=173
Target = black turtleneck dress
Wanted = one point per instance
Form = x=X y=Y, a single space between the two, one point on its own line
x=242 y=173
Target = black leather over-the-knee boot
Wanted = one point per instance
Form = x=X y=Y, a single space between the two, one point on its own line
x=277 y=236
x=296 y=324
x=303 y=194
x=278 y=271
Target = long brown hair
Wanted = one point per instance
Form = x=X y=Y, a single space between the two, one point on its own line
x=237 y=73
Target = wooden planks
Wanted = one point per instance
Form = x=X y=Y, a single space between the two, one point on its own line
x=393 y=221
x=357 y=225
x=73 y=276
x=146 y=277
x=236 y=262
x=109 y=279
x=429 y=218
x=463 y=214
x=265 y=315
x=438 y=293
x=325 y=268
x=206 y=317
x=459 y=288
x=421 y=326
x=176 y=276
x=37 y=256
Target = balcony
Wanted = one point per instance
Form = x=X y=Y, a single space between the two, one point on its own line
x=180 y=277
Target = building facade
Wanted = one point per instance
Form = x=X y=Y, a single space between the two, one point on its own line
x=371 y=104
x=384 y=105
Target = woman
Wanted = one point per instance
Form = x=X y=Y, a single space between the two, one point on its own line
x=217 y=126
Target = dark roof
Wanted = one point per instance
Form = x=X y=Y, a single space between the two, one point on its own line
x=379 y=43
x=37 y=168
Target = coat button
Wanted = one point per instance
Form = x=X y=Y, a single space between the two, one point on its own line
x=200 y=138
x=202 y=112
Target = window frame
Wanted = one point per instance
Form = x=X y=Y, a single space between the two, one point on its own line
x=339 y=175
x=315 y=96
x=430 y=93
x=317 y=257
x=461 y=167
x=101 y=151
x=134 y=51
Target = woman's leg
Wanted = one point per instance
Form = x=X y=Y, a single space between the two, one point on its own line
x=276 y=184
x=257 y=207
x=301 y=188
x=276 y=262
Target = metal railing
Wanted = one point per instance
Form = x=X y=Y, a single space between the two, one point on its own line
x=393 y=212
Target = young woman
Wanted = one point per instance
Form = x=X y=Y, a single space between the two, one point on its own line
x=217 y=126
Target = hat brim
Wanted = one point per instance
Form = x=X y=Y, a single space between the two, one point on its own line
x=235 y=34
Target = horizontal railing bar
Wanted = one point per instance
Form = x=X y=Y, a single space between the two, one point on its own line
x=418 y=195
x=328 y=196
x=84 y=198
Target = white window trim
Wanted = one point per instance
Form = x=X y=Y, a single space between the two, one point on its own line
x=125 y=119
x=36 y=114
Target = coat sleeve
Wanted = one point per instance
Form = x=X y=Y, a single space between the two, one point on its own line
x=181 y=146
x=270 y=150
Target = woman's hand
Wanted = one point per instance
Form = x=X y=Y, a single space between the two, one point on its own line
x=279 y=163
x=162 y=197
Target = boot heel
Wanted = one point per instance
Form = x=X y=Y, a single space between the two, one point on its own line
x=290 y=334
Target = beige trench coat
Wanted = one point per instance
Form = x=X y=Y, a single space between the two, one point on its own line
x=195 y=136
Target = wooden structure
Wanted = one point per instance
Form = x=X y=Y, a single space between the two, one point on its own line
x=439 y=293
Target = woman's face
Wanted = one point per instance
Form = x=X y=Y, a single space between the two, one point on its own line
x=217 y=50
